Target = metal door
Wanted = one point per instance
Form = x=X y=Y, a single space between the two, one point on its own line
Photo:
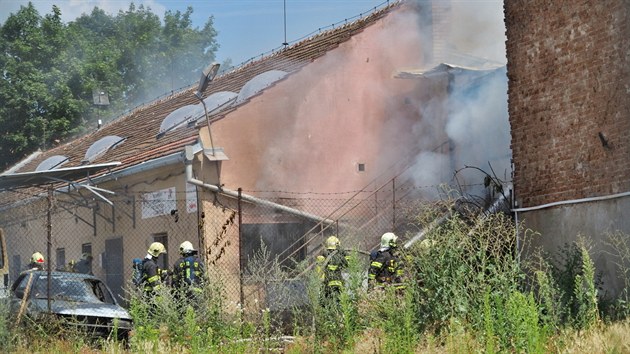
x=114 y=265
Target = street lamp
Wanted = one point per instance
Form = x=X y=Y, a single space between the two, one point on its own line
x=207 y=75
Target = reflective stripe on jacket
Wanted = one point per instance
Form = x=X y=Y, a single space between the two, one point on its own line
x=330 y=266
x=385 y=268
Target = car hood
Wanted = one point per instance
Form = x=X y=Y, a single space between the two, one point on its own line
x=71 y=308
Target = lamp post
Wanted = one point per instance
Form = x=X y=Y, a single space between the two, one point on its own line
x=207 y=76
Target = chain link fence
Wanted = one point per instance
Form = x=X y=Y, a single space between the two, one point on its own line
x=242 y=239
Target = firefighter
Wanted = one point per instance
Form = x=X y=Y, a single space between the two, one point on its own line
x=84 y=265
x=330 y=265
x=188 y=272
x=37 y=262
x=386 y=267
x=152 y=276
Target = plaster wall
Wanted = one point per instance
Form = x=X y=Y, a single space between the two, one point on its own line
x=311 y=131
x=595 y=221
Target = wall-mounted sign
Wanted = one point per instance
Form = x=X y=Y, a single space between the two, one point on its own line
x=191 y=198
x=160 y=202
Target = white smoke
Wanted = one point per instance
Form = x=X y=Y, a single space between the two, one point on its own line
x=477 y=127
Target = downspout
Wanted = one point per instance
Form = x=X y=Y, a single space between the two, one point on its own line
x=234 y=194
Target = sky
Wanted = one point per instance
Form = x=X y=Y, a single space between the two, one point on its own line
x=247 y=28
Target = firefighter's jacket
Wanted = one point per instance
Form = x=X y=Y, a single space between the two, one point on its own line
x=385 y=269
x=152 y=275
x=330 y=266
x=188 y=271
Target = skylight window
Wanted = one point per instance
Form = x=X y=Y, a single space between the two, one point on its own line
x=180 y=116
x=52 y=163
x=187 y=114
x=218 y=101
x=102 y=146
x=259 y=83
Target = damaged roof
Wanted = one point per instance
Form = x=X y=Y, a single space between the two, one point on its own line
x=139 y=136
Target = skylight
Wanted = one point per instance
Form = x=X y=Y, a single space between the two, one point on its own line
x=102 y=146
x=218 y=100
x=259 y=83
x=52 y=163
x=180 y=116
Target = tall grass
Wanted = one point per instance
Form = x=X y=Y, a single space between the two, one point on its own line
x=467 y=290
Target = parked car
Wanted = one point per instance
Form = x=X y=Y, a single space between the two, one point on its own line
x=77 y=299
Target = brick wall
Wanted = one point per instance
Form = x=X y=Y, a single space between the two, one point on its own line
x=569 y=105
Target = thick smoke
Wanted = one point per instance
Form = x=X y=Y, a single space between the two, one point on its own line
x=477 y=126
x=466 y=127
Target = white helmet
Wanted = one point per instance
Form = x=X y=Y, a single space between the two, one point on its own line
x=388 y=240
x=37 y=258
x=156 y=249
x=186 y=247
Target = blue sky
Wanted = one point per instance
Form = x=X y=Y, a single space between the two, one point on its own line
x=247 y=28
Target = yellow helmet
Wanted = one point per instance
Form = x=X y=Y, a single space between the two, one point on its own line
x=156 y=249
x=332 y=243
x=388 y=240
x=37 y=258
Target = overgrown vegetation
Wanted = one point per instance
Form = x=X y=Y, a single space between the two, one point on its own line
x=467 y=291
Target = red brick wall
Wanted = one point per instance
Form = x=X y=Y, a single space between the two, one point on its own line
x=569 y=82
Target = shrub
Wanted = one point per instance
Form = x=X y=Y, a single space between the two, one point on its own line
x=466 y=258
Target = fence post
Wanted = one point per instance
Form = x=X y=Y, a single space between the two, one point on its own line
x=49 y=242
x=240 y=245
x=394 y=204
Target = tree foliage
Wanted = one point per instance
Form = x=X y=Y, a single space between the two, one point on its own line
x=50 y=69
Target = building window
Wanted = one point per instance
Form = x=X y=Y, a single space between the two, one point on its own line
x=162 y=259
x=361 y=167
x=87 y=248
x=60 y=258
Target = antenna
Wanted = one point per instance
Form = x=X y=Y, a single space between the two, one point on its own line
x=100 y=99
x=285 y=43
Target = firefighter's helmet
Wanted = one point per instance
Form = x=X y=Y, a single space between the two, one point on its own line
x=332 y=243
x=186 y=247
x=156 y=249
x=37 y=258
x=388 y=240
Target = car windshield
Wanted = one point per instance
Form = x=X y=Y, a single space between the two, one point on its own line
x=72 y=289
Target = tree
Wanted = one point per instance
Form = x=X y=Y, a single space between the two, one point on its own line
x=50 y=69
x=38 y=107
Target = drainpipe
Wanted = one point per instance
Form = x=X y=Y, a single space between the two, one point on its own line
x=234 y=194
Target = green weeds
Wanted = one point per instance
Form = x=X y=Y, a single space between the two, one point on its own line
x=467 y=290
